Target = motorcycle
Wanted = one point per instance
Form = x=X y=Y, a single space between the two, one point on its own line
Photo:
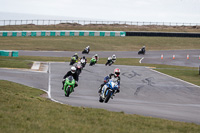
x=69 y=85
x=108 y=91
x=141 y=51
x=78 y=68
x=110 y=61
x=83 y=62
x=85 y=51
x=73 y=60
x=93 y=61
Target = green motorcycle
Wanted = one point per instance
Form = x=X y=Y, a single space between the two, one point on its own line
x=69 y=85
x=93 y=61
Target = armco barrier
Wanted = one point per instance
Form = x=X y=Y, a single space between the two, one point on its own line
x=163 y=34
x=62 y=33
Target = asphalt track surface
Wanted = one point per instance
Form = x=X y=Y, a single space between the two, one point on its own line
x=143 y=91
x=151 y=57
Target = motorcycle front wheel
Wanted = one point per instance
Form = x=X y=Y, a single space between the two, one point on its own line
x=68 y=92
x=108 y=96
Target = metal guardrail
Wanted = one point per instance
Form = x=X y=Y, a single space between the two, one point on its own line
x=86 y=22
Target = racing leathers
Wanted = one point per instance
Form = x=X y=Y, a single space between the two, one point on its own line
x=76 y=56
x=83 y=61
x=87 y=49
x=75 y=76
x=110 y=60
x=106 y=79
x=96 y=57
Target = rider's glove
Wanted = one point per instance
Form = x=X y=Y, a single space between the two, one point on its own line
x=117 y=91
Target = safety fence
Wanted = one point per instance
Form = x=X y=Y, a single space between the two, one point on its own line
x=62 y=33
x=87 y=22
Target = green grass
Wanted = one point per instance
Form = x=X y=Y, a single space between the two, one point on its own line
x=97 y=43
x=24 y=110
x=14 y=62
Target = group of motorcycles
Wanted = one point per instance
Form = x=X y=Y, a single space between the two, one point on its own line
x=107 y=91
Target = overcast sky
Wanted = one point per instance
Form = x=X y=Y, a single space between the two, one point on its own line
x=120 y=10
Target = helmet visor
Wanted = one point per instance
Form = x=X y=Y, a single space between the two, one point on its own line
x=117 y=73
x=73 y=71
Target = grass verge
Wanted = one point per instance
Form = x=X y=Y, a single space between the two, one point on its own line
x=24 y=110
x=60 y=43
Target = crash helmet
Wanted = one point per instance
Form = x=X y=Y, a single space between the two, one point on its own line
x=117 y=72
x=96 y=55
x=88 y=46
x=114 y=57
x=83 y=57
x=75 y=54
x=143 y=46
x=73 y=69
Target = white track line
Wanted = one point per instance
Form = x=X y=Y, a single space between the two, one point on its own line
x=175 y=78
x=141 y=60
x=49 y=86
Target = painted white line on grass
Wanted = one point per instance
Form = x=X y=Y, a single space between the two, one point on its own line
x=141 y=60
x=175 y=78
x=49 y=86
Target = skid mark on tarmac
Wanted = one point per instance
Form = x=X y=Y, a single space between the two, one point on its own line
x=146 y=81
x=130 y=75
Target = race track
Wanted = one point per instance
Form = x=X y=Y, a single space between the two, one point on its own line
x=143 y=91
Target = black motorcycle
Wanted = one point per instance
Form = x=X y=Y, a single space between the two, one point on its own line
x=109 y=62
x=141 y=51
x=85 y=51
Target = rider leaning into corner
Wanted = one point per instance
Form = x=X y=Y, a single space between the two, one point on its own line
x=115 y=76
x=76 y=56
x=111 y=59
x=73 y=73
x=83 y=59
x=143 y=49
x=87 y=48
x=96 y=57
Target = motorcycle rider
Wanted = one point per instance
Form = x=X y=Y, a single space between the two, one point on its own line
x=76 y=56
x=87 y=49
x=73 y=73
x=115 y=76
x=143 y=49
x=96 y=57
x=111 y=59
x=83 y=61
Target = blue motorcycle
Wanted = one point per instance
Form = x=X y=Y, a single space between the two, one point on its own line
x=108 y=91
